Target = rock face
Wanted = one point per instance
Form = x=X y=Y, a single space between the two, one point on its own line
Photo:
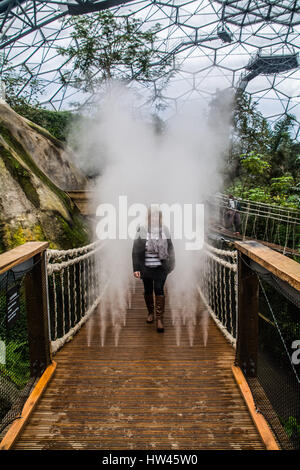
x=35 y=169
x=49 y=154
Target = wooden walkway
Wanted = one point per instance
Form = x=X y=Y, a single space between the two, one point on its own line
x=147 y=393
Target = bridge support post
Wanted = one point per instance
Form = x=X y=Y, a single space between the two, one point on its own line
x=247 y=334
x=37 y=315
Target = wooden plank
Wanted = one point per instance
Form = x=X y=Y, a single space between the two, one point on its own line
x=15 y=429
x=258 y=419
x=146 y=392
x=284 y=268
x=20 y=254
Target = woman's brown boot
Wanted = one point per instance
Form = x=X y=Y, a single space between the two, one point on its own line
x=150 y=306
x=159 y=311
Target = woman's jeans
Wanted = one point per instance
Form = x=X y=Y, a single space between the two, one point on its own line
x=154 y=282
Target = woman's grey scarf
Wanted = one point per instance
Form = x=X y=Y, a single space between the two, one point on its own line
x=157 y=241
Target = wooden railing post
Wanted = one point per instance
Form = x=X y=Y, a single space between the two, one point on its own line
x=37 y=315
x=247 y=334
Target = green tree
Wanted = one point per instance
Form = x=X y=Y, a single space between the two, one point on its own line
x=282 y=185
x=105 y=47
x=254 y=164
x=285 y=150
x=264 y=161
x=252 y=132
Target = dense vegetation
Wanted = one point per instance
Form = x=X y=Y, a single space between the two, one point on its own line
x=57 y=123
x=264 y=161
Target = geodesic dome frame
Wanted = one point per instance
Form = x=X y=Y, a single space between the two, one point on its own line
x=251 y=45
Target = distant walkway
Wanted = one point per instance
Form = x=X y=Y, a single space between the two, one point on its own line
x=147 y=393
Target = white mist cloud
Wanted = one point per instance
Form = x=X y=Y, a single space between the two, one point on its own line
x=180 y=165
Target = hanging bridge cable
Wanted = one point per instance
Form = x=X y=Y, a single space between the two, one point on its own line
x=286 y=235
x=213 y=287
x=281 y=224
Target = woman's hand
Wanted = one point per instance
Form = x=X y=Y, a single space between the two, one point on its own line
x=137 y=274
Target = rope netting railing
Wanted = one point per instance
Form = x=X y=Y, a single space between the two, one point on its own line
x=74 y=290
x=218 y=288
x=265 y=222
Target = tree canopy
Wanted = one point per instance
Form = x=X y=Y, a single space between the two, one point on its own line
x=105 y=47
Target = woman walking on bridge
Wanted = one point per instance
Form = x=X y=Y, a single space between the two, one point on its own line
x=153 y=259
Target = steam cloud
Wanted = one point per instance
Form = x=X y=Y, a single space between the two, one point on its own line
x=182 y=164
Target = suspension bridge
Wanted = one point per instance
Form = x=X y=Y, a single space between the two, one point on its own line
x=236 y=387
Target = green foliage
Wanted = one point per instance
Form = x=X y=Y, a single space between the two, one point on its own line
x=264 y=162
x=107 y=47
x=17 y=363
x=258 y=194
x=262 y=193
x=292 y=201
x=251 y=129
x=284 y=150
x=254 y=164
x=72 y=233
x=17 y=367
x=291 y=427
x=57 y=123
x=282 y=185
x=20 y=235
